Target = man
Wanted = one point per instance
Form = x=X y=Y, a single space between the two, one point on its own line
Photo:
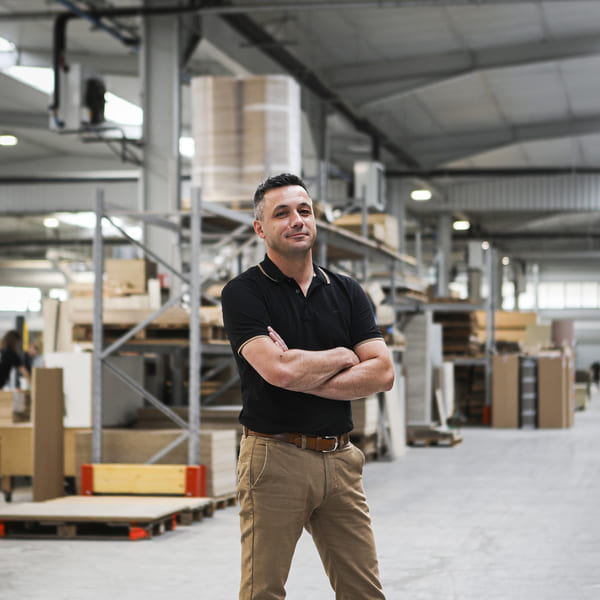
x=306 y=343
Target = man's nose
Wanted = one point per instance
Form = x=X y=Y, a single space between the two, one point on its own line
x=295 y=219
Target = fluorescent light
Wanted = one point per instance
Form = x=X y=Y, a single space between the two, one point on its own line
x=420 y=195
x=485 y=245
x=6 y=45
x=461 y=225
x=8 y=140
x=51 y=222
x=86 y=219
x=187 y=147
x=505 y=261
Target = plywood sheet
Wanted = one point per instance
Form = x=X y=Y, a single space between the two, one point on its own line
x=98 y=508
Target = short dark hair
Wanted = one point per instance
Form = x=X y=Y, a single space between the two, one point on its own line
x=272 y=183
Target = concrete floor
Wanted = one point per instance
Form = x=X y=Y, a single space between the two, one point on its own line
x=507 y=514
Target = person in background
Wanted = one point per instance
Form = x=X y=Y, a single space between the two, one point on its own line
x=32 y=357
x=10 y=357
x=306 y=344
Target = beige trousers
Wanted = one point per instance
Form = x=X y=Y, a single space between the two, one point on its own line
x=283 y=489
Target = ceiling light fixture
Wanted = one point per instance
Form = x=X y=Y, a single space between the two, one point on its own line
x=187 y=146
x=420 y=195
x=8 y=140
x=51 y=222
x=461 y=225
x=485 y=245
x=505 y=261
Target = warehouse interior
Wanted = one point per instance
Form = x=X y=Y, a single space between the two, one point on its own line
x=451 y=147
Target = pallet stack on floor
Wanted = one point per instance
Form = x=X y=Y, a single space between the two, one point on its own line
x=218 y=451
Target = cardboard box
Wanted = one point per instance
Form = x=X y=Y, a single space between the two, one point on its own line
x=129 y=276
x=380 y=227
x=505 y=390
x=509 y=326
x=538 y=337
x=553 y=391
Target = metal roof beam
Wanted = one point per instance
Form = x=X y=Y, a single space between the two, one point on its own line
x=438 y=150
x=419 y=72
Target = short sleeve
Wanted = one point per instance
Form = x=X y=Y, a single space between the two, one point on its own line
x=364 y=326
x=245 y=314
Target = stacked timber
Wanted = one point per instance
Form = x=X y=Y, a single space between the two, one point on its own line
x=218 y=452
x=459 y=333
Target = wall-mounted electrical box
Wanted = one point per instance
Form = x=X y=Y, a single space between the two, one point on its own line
x=81 y=99
x=369 y=184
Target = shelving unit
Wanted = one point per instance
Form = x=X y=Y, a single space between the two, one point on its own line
x=215 y=229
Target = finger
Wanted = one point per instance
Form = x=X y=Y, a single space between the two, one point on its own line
x=277 y=338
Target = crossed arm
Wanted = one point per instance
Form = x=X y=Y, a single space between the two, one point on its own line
x=338 y=373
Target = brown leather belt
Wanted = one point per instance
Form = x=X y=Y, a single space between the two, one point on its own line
x=325 y=443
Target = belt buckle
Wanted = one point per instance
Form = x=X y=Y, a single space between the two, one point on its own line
x=331 y=437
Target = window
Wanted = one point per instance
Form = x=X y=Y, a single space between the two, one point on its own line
x=551 y=295
x=20 y=299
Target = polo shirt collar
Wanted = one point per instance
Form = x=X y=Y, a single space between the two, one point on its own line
x=271 y=270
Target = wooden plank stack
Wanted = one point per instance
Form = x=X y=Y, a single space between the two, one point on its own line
x=459 y=333
x=218 y=452
x=381 y=227
x=510 y=327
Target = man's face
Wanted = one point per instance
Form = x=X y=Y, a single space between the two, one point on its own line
x=288 y=224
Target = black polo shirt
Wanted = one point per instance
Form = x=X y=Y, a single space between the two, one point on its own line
x=335 y=312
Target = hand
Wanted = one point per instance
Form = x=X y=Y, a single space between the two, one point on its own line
x=277 y=339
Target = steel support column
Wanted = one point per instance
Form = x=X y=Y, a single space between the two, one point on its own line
x=161 y=101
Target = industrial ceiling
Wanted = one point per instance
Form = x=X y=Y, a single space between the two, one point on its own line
x=491 y=104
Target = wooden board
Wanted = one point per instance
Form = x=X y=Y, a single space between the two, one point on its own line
x=82 y=517
x=47 y=420
x=100 y=508
x=139 y=479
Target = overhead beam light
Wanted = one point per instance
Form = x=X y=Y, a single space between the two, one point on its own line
x=420 y=195
x=51 y=222
x=8 y=140
x=461 y=225
x=187 y=146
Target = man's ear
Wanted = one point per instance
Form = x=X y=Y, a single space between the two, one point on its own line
x=258 y=229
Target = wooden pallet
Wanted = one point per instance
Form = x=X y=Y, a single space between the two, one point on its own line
x=220 y=502
x=93 y=517
x=428 y=436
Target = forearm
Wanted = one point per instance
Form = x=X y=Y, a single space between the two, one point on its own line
x=366 y=378
x=304 y=370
